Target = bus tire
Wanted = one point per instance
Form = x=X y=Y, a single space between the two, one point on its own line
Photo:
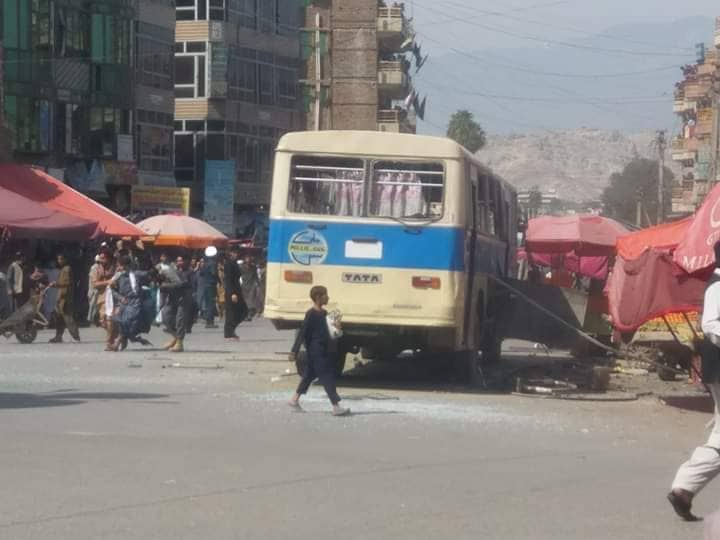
x=468 y=368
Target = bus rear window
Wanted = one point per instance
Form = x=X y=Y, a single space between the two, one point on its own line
x=327 y=186
x=407 y=190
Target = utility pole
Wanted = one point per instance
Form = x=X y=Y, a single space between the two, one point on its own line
x=661 y=144
x=318 y=72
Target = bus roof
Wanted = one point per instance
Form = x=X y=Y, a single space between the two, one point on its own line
x=378 y=143
x=371 y=142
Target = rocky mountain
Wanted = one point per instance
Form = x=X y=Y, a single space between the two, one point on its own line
x=577 y=163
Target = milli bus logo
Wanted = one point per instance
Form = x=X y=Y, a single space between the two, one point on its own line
x=308 y=248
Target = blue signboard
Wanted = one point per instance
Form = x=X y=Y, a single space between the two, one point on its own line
x=220 y=195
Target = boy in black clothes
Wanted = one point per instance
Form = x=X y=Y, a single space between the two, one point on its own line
x=315 y=334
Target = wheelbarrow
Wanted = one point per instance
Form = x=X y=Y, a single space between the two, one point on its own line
x=25 y=322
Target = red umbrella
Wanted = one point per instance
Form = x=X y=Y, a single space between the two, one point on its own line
x=695 y=251
x=24 y=218
x=586 y=235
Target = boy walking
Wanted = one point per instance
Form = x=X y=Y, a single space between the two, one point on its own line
x=315 y=334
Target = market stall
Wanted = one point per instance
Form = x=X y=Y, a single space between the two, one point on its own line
x=43 y=189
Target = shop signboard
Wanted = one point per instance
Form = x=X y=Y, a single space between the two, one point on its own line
x=150 y=201
x=220 y=195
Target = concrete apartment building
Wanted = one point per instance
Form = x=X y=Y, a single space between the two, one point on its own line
x=237 y=68
x=695 y=148
x=155 y=92
x=73 y=71
x=357 y=74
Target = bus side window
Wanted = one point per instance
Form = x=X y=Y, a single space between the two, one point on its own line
x=482 y=203
x=492 y=207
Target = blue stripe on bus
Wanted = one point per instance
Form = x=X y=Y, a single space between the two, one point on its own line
x=312 y=241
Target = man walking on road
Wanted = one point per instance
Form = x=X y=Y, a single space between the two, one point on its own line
x=17 y=281
x=178 y=310
x=704 y=464
x=235 y=308
x=65 y=303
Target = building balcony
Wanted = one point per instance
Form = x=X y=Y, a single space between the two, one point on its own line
x=684 y=149
x=396 y=121
x=392 y=26
x=682 y=106
x=393 y=79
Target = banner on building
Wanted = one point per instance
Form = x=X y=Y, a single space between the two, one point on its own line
x=220 y=195
x=149 y=201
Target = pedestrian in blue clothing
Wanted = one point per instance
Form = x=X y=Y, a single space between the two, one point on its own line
x=316 y=333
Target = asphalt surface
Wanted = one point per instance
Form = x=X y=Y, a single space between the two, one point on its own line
x=148 y=445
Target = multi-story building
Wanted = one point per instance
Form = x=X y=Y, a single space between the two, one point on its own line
x=357 y=70
x=155 y=91
x=70 y=74
x=236 y=91
x=695 y=148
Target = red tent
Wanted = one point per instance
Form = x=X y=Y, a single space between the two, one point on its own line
x=24 y=218
x=648 y=287
x=585 y=235
x=42 y=188
x=663 y=237
x=695 y=251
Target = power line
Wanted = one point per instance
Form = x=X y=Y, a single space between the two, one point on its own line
x=589 y=48
x=522 y=69
x=544 y=24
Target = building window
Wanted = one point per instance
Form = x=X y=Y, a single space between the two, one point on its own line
x=155 y=148
x=190 y=74
x=266 y=84
x=105 y=125
x=287 y=88
x=242 y=80
x=72 y=32
x=244 y=12
x=110 y=39
x=29 y=119
x=185 y=157
x=155 y=63
x=268 y=16
x=200 y=10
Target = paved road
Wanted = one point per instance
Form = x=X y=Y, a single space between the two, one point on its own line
x=134 y=446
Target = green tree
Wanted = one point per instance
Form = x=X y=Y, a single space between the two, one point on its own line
x=464 y=130
x=637 y=183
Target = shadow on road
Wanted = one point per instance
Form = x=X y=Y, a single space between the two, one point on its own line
x=63 y=399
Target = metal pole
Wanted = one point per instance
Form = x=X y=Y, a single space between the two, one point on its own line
x=318 y=72
x=661 y=176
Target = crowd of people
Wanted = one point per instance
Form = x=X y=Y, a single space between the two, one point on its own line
x=130 y=289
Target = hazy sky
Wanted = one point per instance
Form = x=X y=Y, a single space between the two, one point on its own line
x=589 y=15
x=476 y=26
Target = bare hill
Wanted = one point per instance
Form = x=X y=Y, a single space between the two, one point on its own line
x=577 y=163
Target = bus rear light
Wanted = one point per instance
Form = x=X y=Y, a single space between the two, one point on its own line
x=295 y=276
x=426 y=282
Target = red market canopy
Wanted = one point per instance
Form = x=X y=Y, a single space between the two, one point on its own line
x=592 y=267
x=649 y=287
x=695 y=251
x=585 y=235
x=45 y=190
x=661 y=237
x=182 y=231
x=26 y=219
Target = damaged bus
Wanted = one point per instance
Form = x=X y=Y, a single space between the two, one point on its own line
x=405 y=232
